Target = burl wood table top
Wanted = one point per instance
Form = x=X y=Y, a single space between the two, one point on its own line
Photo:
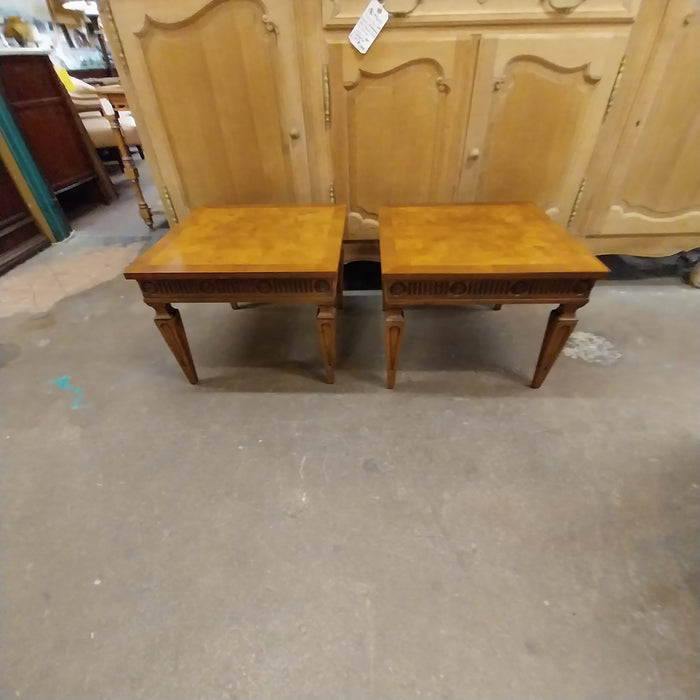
x=480 y=239
x=233 y=241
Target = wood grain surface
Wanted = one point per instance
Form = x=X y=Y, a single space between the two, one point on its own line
x=226 y=241
x=480 y=239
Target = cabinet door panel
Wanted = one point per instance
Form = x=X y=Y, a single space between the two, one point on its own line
x=217 y=86
x=65 y=160
x=541 y=101
x=399 y=116
x=656 y=185
x=43 y=112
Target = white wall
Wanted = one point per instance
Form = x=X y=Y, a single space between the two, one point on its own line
x=25 y=9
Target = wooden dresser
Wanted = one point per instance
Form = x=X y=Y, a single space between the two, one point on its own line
x=52 y=130
x=20 y=237
x=589 y=108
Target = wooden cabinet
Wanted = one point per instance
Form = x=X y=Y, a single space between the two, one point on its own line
x=216 y=86
x=649 y=195
x=50 y=127
x=245 y=101
x=20 y=237
x=398 y=124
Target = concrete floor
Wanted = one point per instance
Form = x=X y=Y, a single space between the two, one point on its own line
x=265 y=535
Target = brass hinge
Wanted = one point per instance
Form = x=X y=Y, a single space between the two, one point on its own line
x=169 y=205
x=326 y=97
x=616 y=84
x=574 y=209
x=331 y=193
x=107 y=18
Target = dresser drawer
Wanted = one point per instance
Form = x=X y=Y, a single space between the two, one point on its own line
x=344 y=13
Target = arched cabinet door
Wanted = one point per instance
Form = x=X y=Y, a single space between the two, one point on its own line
x=539 y=100
x=398 y=119
x=652 y=191
x=215 y=86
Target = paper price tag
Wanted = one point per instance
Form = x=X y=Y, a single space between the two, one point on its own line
x=367 y=29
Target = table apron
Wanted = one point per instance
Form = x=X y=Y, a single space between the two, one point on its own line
x=398 y=292
x=312 y=290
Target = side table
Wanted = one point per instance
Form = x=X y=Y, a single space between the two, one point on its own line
x=246 y=254
x=482 y=254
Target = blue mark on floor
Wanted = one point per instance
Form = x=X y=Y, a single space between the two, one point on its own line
x=64 y=383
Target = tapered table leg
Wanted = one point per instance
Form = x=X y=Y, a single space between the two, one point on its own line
x=170 y=326
x=393 y=335
x=325 y=324
x=562 y=322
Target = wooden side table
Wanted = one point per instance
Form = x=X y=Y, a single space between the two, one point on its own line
x=482 y=254
x=246 y=254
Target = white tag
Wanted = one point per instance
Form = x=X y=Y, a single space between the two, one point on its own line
x=371 y=22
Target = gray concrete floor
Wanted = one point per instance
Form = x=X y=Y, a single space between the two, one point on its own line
x=265 y=535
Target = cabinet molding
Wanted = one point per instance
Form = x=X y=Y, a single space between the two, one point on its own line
x=149 y=22
x=623 y=220
x=651 y=245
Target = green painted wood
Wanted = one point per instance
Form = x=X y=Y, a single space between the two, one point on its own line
x=35 y=180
